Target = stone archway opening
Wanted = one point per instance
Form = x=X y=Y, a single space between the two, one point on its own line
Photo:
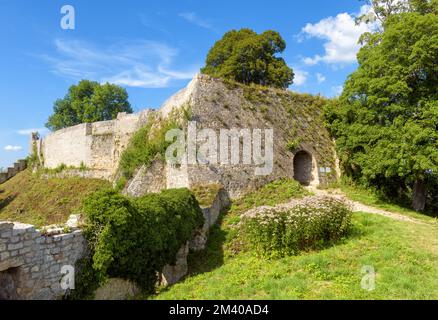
x=303 y=165
x=8 y=281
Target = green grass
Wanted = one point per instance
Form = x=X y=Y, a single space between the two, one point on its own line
x=404 y=256
x=276 y=192
x=29 y=198
x=205 y=194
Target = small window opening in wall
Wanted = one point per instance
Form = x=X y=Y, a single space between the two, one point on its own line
x=8 y=281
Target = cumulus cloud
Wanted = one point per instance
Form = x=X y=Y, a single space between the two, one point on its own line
x=320 y=78
x=300 y=77
x=12 y=148
x=146 y=64
x=341 y=35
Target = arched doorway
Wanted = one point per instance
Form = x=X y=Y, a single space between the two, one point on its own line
x=303 y=167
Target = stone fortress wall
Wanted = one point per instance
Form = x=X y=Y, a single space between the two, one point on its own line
x=214 y=105
x=19 y=166
x=31 y=260
x=95 y=147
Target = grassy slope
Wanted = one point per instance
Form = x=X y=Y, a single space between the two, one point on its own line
x=30 y=199
x=404 y=255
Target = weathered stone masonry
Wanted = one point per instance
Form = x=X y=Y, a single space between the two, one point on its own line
x=95 y=146
x=31 y=262
x=214 y=105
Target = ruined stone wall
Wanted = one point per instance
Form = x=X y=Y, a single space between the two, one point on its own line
x=96 y=147
x=19 y=166
x=31 y=262
x=296 y=121
x=293 y=117
x=297 y=125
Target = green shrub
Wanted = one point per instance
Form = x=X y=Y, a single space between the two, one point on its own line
x=134 y=238
x=144 y=146
x=304 y=225
x=149 y=142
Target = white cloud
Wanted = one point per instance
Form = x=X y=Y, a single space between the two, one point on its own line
x=27 y=132
x=341 y=35
x=337 y=90
x=196 y=20
x=146 y=64
x=300 y=77
x=12 y=148
x=320 y=78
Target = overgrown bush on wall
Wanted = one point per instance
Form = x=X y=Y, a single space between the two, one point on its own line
x=143 y=147
x=149 y=142
x=305 y=225
x=134 y=238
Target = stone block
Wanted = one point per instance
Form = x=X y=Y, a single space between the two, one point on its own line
x=6 y=234
x=11 y=172
x=35 y=269
x=4 y=255
x=15 y=239
x=14 y=253
x=5 y=225
x=15 y=246
x=3 y=177
x=25 y=250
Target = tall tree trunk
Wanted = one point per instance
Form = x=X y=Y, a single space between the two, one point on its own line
x=419 y=197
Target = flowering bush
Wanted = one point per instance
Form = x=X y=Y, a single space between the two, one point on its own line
x=285 y=230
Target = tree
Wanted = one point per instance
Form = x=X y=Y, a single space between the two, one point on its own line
x=88 y=101
x=248 y=57
x=383 y=9
x=386 y=120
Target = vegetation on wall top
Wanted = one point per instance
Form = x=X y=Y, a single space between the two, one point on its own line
x=247 y=57
x=86 y=102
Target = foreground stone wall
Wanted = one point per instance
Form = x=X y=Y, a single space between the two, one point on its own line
x=31 y=262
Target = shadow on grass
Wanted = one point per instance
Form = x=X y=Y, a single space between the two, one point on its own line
x=6 y=201
x=212 y=256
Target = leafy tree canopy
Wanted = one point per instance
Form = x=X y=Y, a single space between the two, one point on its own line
x=386 y=120
x=248 y=57
x=383 y=9
x=88 y=101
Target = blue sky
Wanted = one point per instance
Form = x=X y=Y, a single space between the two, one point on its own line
x=153 y=48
